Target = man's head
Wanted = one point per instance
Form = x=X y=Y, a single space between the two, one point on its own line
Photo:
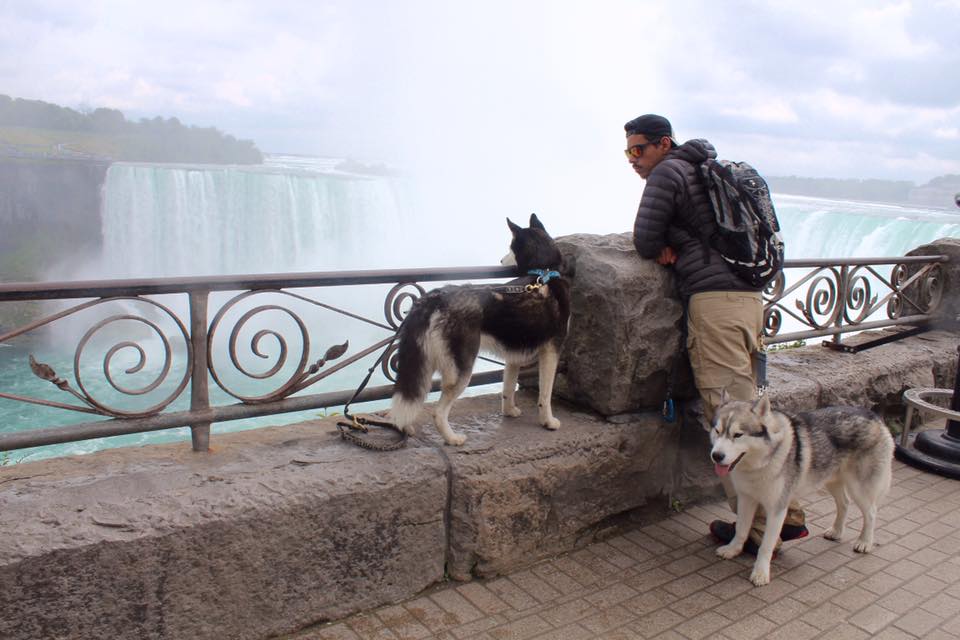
x=649 y=139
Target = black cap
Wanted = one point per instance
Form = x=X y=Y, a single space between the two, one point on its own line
x=650 y=125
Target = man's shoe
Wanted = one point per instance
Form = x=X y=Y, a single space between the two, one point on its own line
x=724 y=532
x=793 y=531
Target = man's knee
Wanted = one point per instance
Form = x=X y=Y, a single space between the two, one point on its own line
x=737 y=389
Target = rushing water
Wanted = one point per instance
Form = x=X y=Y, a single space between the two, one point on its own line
x=302 y=214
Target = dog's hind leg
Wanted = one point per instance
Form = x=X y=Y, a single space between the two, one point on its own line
x=511 y=371
x=864 y=543
x=868 y=507
x=453 y=382
x=549 y=358
x=868 y=486
x=839 y=494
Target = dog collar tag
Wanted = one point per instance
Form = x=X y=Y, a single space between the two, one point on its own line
x=543 y=275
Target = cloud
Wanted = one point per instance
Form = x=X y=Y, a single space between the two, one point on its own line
x=516 y=91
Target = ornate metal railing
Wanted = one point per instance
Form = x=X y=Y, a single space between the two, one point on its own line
x=833 y=297
x=837 y=296
x=192 y=344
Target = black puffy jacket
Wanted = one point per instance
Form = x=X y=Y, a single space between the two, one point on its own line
x=673 y=210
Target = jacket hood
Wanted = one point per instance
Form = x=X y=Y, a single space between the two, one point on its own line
x=694 y=151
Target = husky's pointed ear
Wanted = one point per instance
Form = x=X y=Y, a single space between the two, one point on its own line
x=762 y=406
x=535 y=222
x=724 y=396
x=514 y=228
x=706 y=424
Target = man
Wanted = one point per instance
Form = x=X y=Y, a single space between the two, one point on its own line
x=673 y=226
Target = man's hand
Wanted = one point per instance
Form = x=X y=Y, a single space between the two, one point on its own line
x=667 y=257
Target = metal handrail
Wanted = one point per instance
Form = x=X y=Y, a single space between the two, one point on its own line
x=848 y=305
x=198 y=338
x=259 y=282
x=846 y=302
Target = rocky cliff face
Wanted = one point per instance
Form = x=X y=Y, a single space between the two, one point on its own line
x=49 y=209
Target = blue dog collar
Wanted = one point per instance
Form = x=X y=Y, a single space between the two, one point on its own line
x=543 y=276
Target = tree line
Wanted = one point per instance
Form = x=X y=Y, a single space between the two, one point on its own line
x=147 y=140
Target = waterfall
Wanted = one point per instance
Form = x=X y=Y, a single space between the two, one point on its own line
x=300 y=214
x=177 y=220
x=818 y=228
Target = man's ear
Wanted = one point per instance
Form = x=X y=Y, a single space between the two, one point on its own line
x=514 y=228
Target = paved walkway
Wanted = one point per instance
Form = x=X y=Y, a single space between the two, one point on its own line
x=664 y=581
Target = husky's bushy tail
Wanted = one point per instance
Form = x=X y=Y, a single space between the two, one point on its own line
x=414 y=370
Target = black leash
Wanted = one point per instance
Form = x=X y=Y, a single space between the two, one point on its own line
x=669 y=408
x=360 y=423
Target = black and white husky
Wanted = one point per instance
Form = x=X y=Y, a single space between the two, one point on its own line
x=521 y=321
x=772 y=457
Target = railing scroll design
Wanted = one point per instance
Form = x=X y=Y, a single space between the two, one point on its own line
x=197 y=347
x=831 y=298
x=837 y=296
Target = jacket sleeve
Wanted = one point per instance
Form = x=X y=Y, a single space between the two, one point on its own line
x=657 y=210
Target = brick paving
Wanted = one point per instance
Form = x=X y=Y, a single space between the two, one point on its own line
x=664 y=581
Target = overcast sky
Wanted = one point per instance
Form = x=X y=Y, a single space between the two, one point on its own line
x=498 y=90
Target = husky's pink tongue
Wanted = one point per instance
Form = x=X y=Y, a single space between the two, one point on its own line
x=721 y=469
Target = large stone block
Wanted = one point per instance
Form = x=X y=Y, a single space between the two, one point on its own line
x=520 y=493
x=624 y=327
x=273 y=531
x=874 y=378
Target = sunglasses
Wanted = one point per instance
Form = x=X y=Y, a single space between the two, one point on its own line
x=636 y=150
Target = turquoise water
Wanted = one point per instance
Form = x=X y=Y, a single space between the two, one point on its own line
x=818 y=228
x=294 y=216
x=58 y=350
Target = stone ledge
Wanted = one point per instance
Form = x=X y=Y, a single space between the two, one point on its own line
x=283 y=527
x=273 y=530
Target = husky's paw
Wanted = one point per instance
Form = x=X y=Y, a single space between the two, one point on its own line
x=550 y=423
x=512 y=412
x=862 y=547
x=455 y=439
x=729 y=551
x=760 y=576
x=832 y=534
x=409 y=430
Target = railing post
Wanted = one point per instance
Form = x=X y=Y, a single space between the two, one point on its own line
x=842 y=287
x=199 y=386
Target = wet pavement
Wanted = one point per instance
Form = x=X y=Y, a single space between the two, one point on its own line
x=663 y=580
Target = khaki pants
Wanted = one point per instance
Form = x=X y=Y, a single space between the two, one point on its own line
x=724 y=329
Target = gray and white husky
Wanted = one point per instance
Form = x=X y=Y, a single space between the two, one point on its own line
x=525 y=319
x=772 y=457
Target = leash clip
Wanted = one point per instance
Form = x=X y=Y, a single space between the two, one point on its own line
x=356 y=424
x=669 y=410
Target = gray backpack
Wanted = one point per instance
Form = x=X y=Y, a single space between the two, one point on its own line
x=748 y=233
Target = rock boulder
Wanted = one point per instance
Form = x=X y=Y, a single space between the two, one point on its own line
x=624 y=327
